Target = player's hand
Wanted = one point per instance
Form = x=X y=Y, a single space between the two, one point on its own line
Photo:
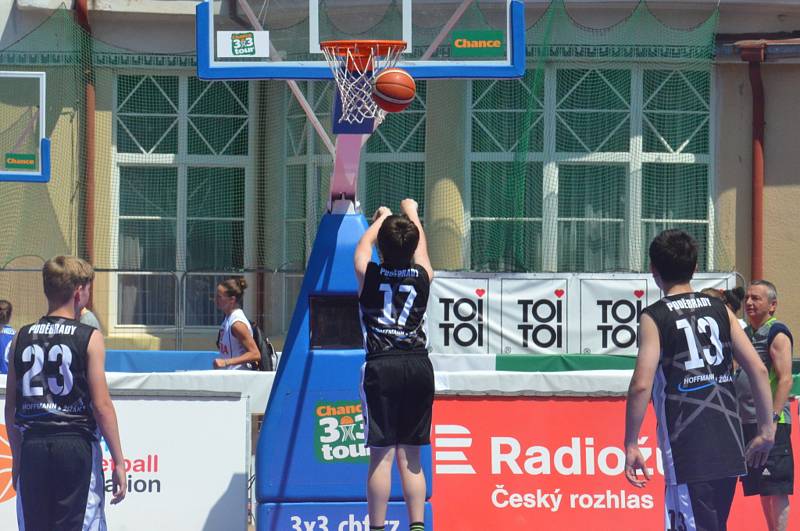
x=219 y=363
x=381 y=212
x=120 y=486
x=758 y=450
x=408 y=205
x=634 y=461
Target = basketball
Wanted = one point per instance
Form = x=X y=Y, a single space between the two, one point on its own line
x=394 y=89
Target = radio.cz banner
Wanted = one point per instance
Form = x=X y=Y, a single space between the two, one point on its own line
x=537 y=313
x=552 y=463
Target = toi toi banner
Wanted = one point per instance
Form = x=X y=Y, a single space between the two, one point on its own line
x=551 y=463
x=527 y=313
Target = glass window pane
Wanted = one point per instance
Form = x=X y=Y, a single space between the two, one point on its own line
x=593 y=108
x=218 y=97
x=217 y=135
x=589 y=197
x=147 y=300
x=295 y=194
x=592 y=246
x=503 y=109
x=592 y=191
x=147 y=134
x=148 y=191
x=675 y=191
x=199 y=307
x=676 y=111
x=388 y=183
x=147 y=94
x=506 y=245
x=295 y=246
x=214 y=245
x=699 y=231
x=147 y=244
x=499 y=189
x=215 y=192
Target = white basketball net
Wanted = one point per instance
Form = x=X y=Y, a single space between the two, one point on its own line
x=354 y=69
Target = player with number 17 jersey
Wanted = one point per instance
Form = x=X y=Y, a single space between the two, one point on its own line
x=699 y=430
x=392 y=304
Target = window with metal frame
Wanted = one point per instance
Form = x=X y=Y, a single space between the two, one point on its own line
x=184 y=172
x=613 y=156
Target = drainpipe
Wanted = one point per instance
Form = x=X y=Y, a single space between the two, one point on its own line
x=88 y=133
x=754 y=54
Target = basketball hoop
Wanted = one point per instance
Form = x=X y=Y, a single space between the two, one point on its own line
x=355 y=63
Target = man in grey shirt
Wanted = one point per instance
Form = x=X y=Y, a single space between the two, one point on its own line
x=772 y=340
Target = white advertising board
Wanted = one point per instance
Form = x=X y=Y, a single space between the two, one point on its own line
x=543 y=313
x=187 y=464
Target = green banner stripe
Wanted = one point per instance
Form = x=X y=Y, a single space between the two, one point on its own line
x=566 y=362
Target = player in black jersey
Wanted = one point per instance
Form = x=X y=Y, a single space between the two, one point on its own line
x=56 y=399
x=397 y=379
x=687 y=343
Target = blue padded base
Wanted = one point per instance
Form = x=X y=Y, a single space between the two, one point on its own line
x=331 y=516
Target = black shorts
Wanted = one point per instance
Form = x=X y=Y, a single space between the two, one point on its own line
x=60 y=484
x=700 y=506
x=397 y=395
x=777 y=476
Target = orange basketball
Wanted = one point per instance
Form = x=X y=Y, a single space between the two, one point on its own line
x=394 y=89
x=6 y=488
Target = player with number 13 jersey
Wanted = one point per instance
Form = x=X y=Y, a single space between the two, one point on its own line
x=687 y=347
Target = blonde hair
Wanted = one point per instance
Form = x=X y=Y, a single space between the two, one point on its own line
x=234 y=287
x=62 y=274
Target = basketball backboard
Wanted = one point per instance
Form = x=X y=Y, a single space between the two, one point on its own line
x=280 y=39
x=25 y=150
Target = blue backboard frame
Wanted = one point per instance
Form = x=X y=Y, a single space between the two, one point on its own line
x=42 y=175
x=210 y=69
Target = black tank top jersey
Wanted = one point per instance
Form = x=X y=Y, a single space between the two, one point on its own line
x=51 y=367
x=699 y=431
x=392 y=306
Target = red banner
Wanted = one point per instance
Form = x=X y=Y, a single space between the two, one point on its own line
x=552 y=463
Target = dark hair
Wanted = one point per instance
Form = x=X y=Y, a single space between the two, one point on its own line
x=733 y=298
x=673 y=255
x=397 y=240
x=5 y=312
x=234 y=287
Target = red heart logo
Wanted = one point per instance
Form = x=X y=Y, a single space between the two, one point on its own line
x=639 y=293
x=559 y=293
x=480 y=292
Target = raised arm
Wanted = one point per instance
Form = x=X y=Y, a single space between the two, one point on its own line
x=747 y=358
x=639 y=392
x=104 y=412
x=363 y=253
x=409 y=207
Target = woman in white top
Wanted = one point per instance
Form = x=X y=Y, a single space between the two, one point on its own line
x=236 y=345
